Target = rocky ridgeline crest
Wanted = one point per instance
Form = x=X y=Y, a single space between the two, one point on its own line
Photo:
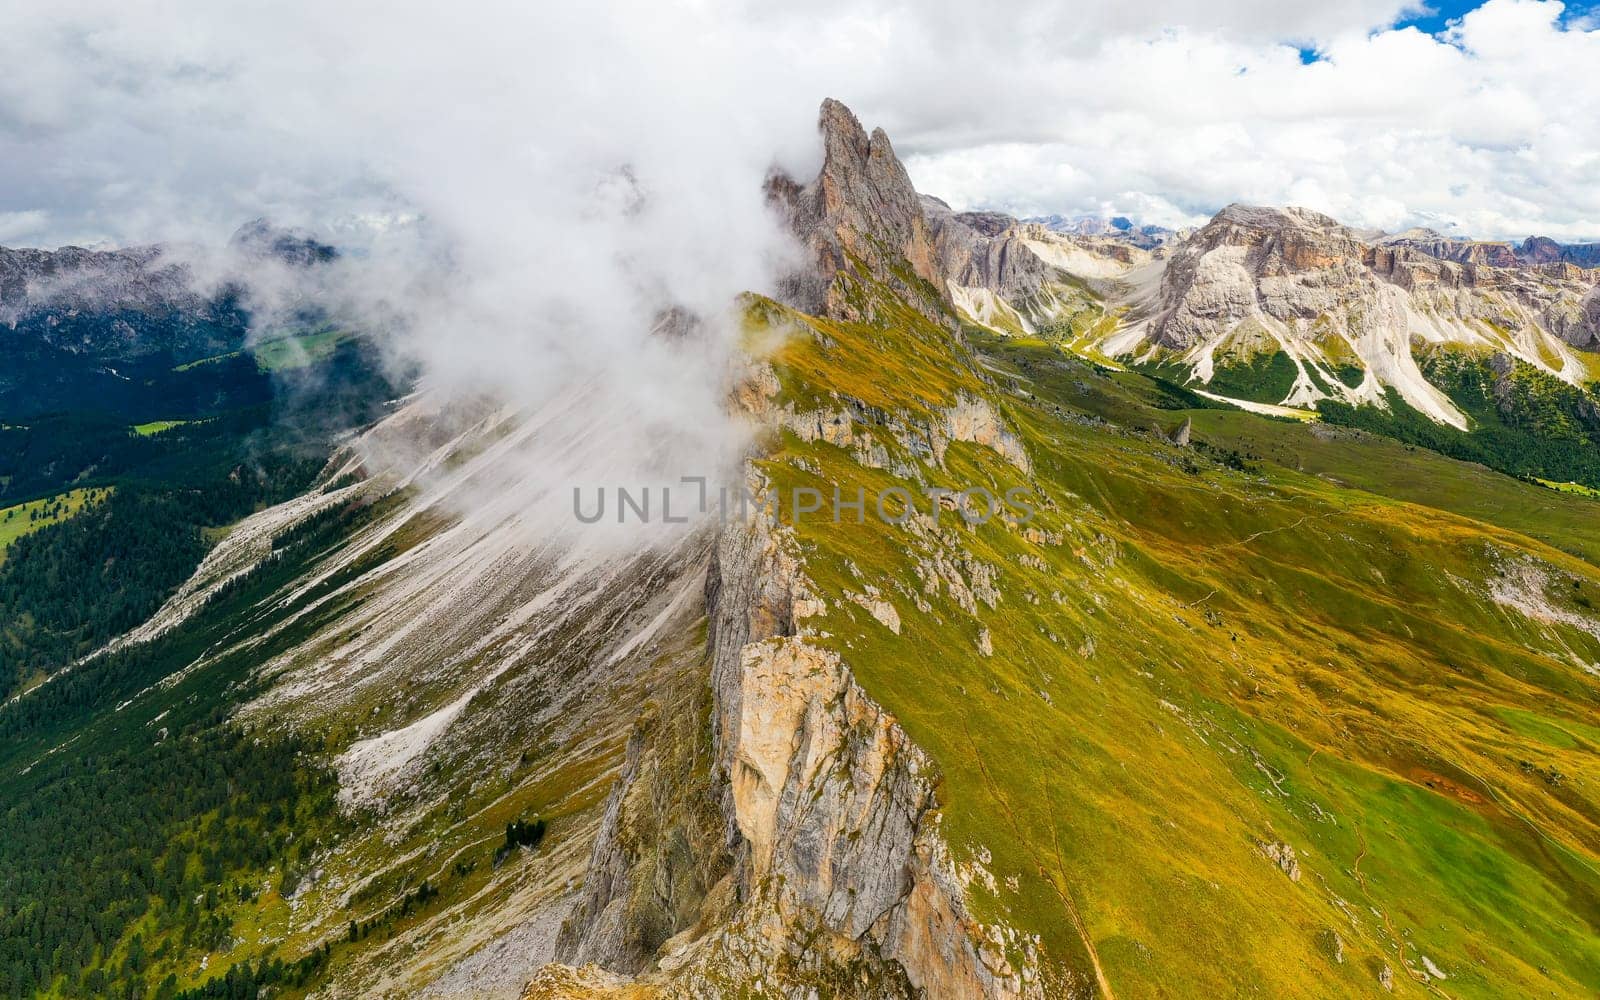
x=1533 y=251
x=860 y=208
x=119 y=302
x=144 y=278
x=1295 y=265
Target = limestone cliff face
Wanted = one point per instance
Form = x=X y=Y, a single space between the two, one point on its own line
x=1296 y=265
x=1023 y=276
x=790 y=847
x=832 y=804
x=835 y=875
x=1257 y=281
x=986 y=250
x=1461 y=251
x=861 y=208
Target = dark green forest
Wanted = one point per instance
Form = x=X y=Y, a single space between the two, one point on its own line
x=1525 y=422
x=125 y=835
x=129 y=846
x=69 y=587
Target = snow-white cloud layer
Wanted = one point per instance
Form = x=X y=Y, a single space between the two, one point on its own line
x=526 y=186
x=1480 y=129
x=179 y=118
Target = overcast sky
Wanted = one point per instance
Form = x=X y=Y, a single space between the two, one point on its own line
x=132 y=122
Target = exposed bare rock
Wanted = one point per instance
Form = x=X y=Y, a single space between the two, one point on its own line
x=1461 y=251
x=589 y=982
x=1255 y=282
x=985 y=250
x=976 y=420
x=881 y=610
x=1283 y=856
x=660 y=856
x=1022 y=276
x=840 y=875
x=1332 y=945
x=861 y=208
x=1185 y=431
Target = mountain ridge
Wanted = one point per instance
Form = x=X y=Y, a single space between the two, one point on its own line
x=1252 y=707
x=1348 y=312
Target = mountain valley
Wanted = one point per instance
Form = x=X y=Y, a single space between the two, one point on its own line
x=1287 y=687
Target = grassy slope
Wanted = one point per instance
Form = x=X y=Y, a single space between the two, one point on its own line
x=16 y=521
x=157 y=426
x=1190 y=660
x=284 y=352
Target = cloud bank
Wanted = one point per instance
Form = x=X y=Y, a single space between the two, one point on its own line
x=179 y=119
x=527 y=186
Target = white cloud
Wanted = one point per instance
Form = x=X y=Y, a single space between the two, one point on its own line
x=475 y=149
x=1482 y=127
x=18 y=226
x=180 y=118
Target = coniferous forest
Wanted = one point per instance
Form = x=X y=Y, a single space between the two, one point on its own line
x=123 y=839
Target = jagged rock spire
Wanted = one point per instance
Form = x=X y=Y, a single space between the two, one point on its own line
x=861 y=205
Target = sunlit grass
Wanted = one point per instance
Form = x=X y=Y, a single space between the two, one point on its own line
x=25 y=518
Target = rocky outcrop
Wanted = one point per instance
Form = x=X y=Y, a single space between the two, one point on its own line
x=1023 y=277
x=840 y=881
x=1264 y=281
x=1544 y=250
x=832 y=802
x=1483 y=252
x=1185 y=431
x=985 y=250
x=660 y=863
x=860 y=211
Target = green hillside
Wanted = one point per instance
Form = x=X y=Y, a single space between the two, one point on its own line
x=1291 y=712
x=1295 y=710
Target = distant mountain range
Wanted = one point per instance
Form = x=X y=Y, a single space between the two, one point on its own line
x=1147 y=237
x=1287 y=307
x=1462 y=250
x=131 y=302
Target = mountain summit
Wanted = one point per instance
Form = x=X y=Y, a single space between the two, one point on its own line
x=1286 y=307
x=862 y=208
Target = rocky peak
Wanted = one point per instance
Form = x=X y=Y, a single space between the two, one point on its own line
x=1460 y=251
x=1541 y=250
x=261 y=239
x=984 y=250
x=1544 y=250
x=860 y=206
x=1279 y=239
x=73 y=277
